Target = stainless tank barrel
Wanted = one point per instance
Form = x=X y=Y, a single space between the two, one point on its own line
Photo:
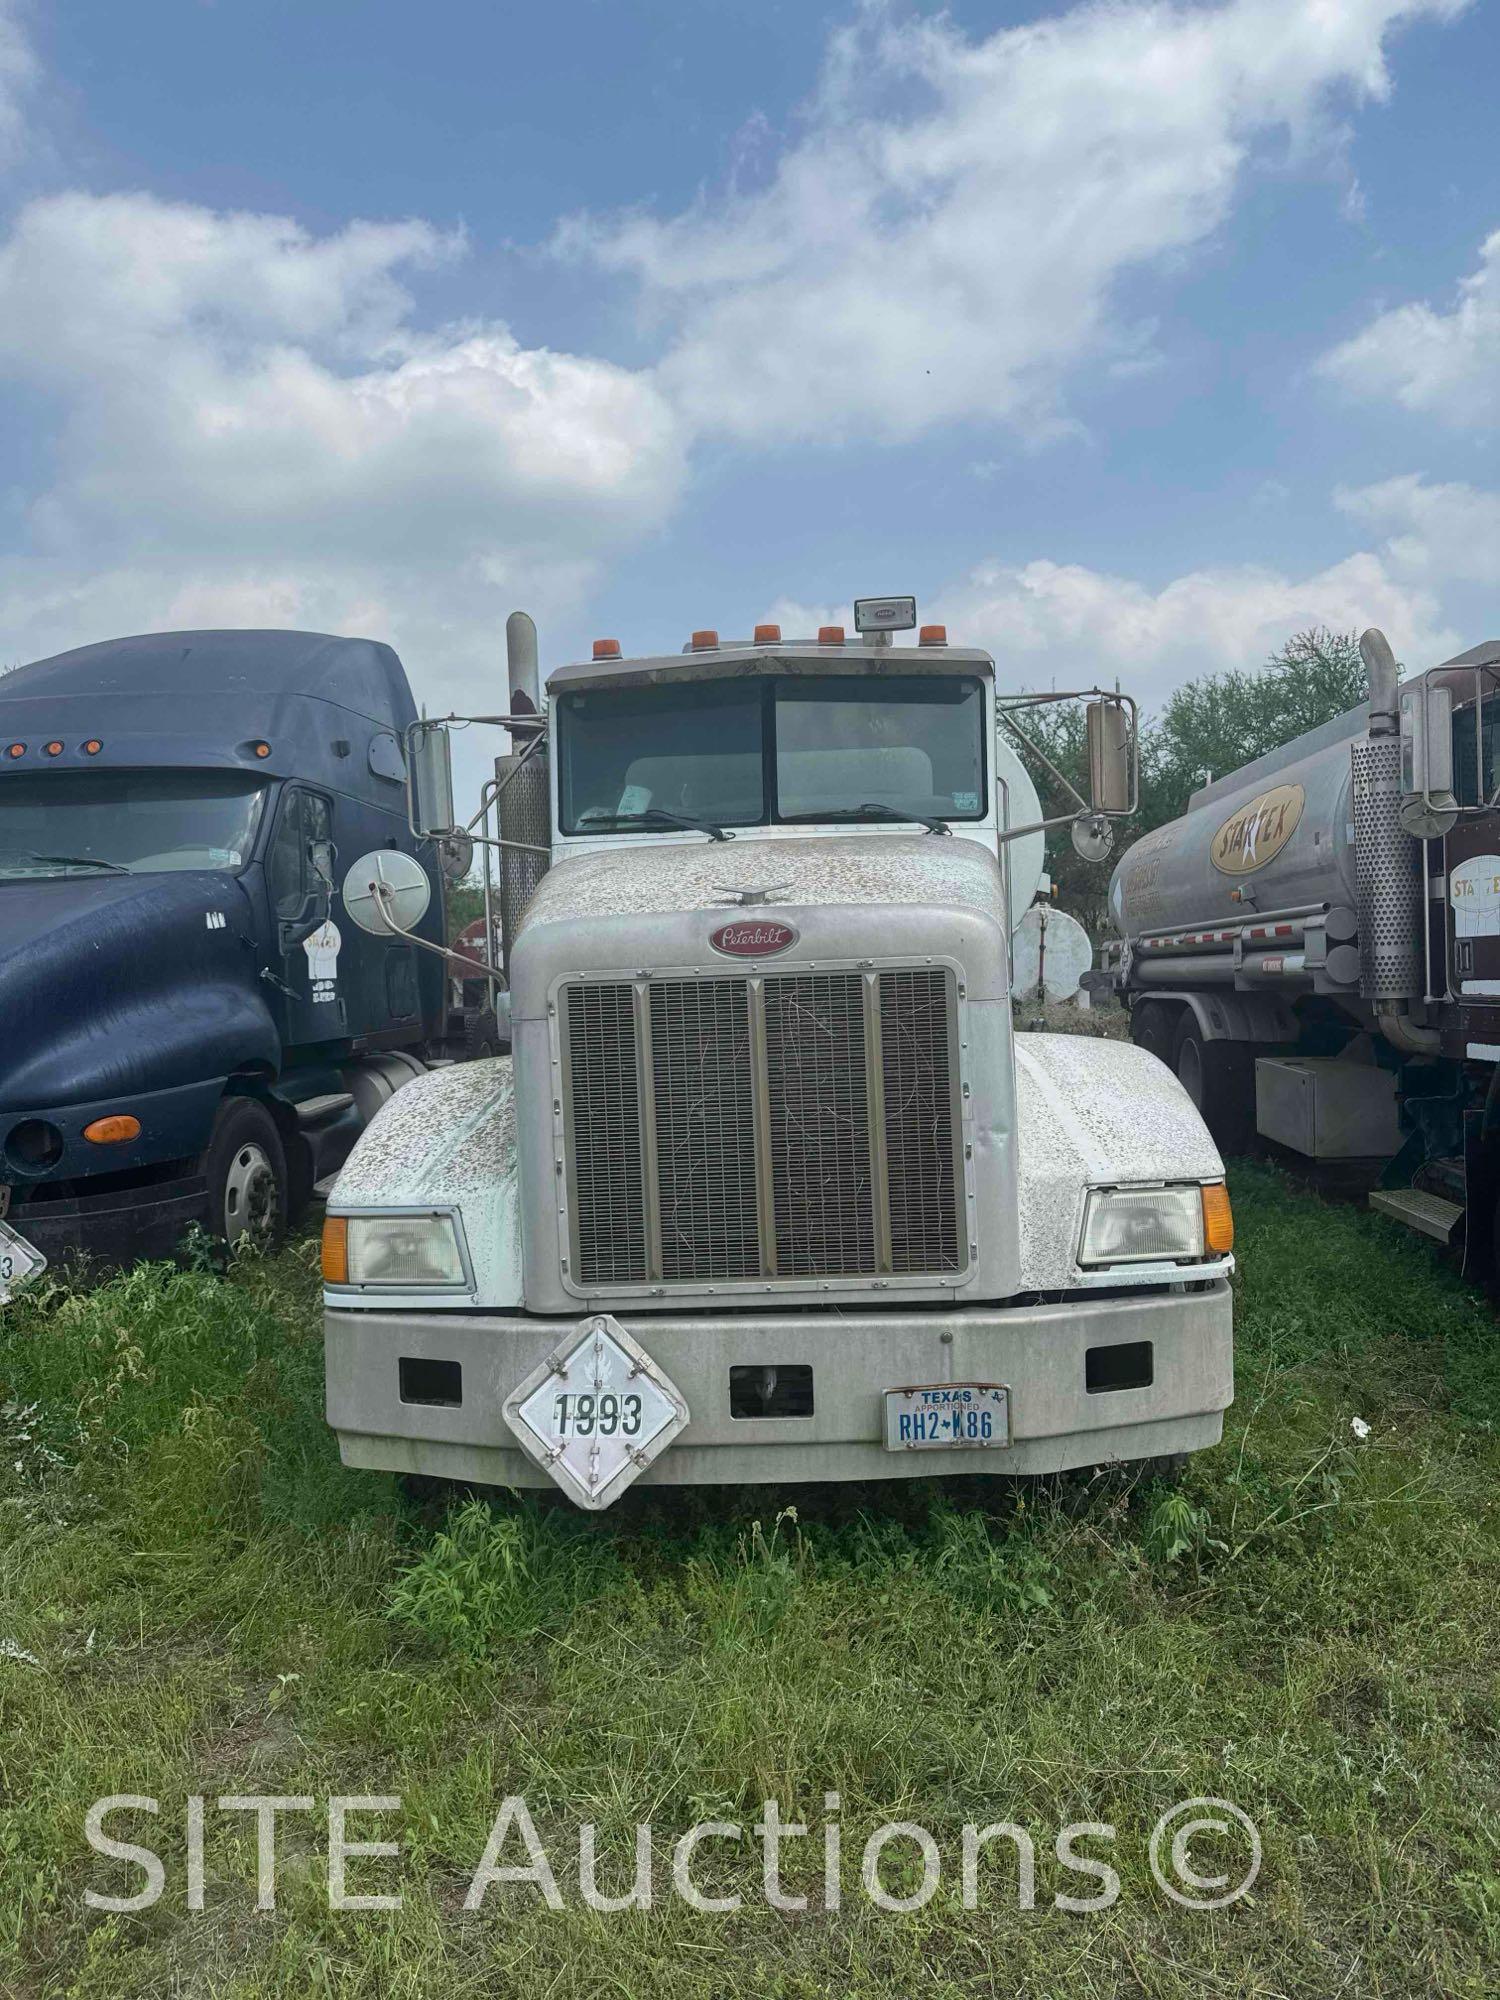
x=1281 y=840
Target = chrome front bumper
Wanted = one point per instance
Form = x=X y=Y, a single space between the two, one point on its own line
x=1042 y=1353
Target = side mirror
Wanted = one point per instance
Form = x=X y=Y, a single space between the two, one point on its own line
x=431 y=780
x=387 y=892
x=1428 y=805
x=1109 y=757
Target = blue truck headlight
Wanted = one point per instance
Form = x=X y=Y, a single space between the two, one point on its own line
x=419 y=1253
x=1157 y=1225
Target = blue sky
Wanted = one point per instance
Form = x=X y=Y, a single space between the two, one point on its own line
x=1132 y=338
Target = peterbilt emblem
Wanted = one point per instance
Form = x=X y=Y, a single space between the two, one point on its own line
x=752 y=937
x=1255 y=833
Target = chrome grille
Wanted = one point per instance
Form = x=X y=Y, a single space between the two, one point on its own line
x=821 y=1170
x=917 y=1071
x=609 y=1213
x=784 y=1127
x=705 y=1129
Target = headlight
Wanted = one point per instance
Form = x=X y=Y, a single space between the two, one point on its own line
x=1155 y=1225
x=417 y=1252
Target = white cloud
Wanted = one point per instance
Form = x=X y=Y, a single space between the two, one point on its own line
x=250 y=423
x=1065 y=625
x=1442 y=364
x=1438 y=533
x=946 y=237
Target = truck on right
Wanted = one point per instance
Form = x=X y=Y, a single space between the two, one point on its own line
x=1314 y=946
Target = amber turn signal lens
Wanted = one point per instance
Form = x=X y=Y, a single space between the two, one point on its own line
x=114 y=1130
x=1218 y=1221
x=336 y=1250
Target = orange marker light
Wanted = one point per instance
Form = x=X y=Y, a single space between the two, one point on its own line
x=53 y=749
x=92 y=747
x=830 y=635
x=262 y=749
x=767 y=635
x=16 y=750
x=336 y=1250
x=933 y=635
x=1218 y=1221
x=705 y=641
x=606 y=649
x=114 y=1130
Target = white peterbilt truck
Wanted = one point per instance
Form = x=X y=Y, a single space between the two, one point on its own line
x=768 y=1189
x=1314 y=946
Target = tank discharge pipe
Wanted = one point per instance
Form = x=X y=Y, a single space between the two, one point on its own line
x=1392 y=911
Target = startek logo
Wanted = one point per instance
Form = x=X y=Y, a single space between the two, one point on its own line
x=754 y=937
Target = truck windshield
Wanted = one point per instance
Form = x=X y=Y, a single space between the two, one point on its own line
x=1467 y=774
x=144 y=822
x=752 y=753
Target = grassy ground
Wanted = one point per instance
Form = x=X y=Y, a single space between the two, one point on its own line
x=196 y=1598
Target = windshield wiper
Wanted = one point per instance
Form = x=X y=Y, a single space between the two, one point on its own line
x=656 y=816
x=870 y=811
x=79 y=861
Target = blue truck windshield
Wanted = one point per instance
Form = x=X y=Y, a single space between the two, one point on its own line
x=749 y=753
x=142 y=822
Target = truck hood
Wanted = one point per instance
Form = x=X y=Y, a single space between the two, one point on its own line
x=118 y=983
x=846 y=897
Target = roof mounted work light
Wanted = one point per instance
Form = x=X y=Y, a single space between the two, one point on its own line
x=884 y=614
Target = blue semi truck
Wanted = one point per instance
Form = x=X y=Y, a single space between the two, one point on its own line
x=190 y=1028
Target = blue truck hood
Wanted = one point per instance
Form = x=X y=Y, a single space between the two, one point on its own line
x=113 y=984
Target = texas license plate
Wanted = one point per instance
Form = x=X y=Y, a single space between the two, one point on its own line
x=941 y=1415
x=18 y=1261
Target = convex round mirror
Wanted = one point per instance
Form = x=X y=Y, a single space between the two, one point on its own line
x=387 y=892
x=1093 y=837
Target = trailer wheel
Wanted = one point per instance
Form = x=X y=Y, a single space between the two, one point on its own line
x=481 y=1034
x=1151 y=1028
x=1220 y=1079
x=244 y=1166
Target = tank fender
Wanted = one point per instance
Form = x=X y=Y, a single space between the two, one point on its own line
x=1233 y=1017
x=448 y=1139
x=1093 y=1113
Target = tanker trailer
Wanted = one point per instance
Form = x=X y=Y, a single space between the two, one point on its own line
x=1314 y=946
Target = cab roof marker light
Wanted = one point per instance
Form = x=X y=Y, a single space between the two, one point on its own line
x=933 y=635
x=262 y=749
x=704 y=641
x=16 y=750
x=53 y=749
x=606 y=649
x=92 y=747
x=767 y=635
x=830 y=635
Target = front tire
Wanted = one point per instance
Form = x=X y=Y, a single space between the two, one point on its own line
x=1151 y=1028
x=1220 y=1079
x=244 y=1167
